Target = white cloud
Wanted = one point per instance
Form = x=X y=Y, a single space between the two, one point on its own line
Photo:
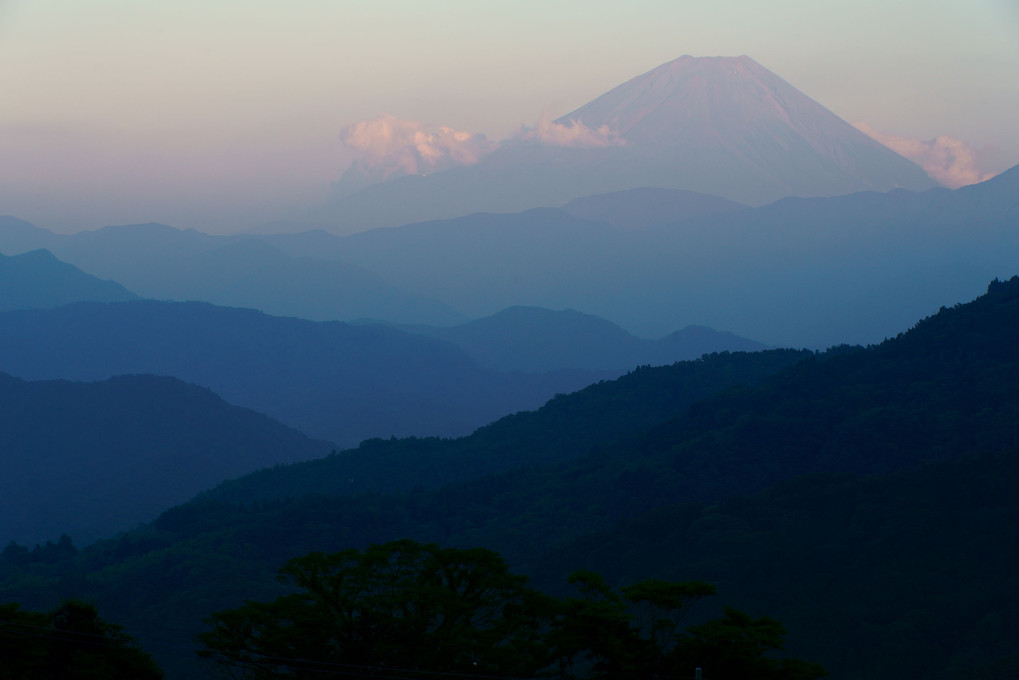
x=394 y=146
x=391 y=147
x=948 y=161
x=571 y=134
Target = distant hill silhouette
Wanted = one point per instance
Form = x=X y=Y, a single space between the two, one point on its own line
x=645 y=207
x=37 y=279
x=808 y=272
x=565 y=428
x=19 y=236
x=91 y=459
x=160 y=262
x=331 y=380
x=536 y=340
x=799 y=272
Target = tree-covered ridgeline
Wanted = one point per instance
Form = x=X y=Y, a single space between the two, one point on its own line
x=566 y=427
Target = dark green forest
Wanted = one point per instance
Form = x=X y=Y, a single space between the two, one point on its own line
x=861 y=496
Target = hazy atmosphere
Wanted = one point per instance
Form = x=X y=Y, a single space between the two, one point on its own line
x=224 y=115
x=487 y=339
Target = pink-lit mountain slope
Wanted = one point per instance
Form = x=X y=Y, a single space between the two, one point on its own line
x=729 y=126
x=724 y=126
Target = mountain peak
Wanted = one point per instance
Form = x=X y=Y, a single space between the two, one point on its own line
x=724 y=96
x=730 y=114
x=723 y=126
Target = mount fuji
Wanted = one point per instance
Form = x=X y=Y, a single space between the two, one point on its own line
x=724 y=126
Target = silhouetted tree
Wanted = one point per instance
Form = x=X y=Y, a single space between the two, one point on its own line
x=405 y=609
x=69 y=643
x=402 y=605
x=635 y=634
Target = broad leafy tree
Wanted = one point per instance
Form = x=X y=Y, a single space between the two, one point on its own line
x=401 y=607
x=408 y=610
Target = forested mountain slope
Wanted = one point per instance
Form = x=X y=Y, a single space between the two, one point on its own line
x=896 y=421
x=567 y=427
x=881 y=577
x=941 y=391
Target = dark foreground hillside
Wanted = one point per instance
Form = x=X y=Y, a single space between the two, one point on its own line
x=910 y=575
x=861 y=496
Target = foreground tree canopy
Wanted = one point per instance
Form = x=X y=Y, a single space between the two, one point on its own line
x=400 y=605
x=71 y=642
x=405 y=609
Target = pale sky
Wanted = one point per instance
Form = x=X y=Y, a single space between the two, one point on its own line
x=223 y=114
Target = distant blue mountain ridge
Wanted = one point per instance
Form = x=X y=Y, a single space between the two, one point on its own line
x=801 y=272
x=534 y=340
x=331 y=380
x=37 y=279
x=92 y=459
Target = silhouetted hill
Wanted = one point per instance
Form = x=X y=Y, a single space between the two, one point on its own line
x=329 y=379
x=809 y=272
x=18 y=236
x=646 y=207
x=535 y=340
x=567 y=427
x=37 y=279
x=507 y=260
x=91 y=459
x=799 y=272
x=160 y=262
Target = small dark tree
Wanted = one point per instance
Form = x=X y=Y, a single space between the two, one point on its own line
x=736 y=646
x=70 y=643
x=630 y=634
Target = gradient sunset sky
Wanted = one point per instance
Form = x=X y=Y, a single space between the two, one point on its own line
x=223 y=114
